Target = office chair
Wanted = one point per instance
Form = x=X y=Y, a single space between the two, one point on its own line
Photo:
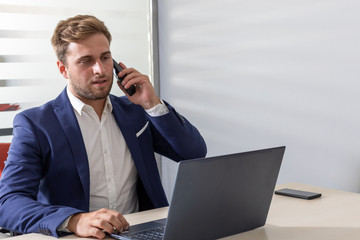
x=4 y=148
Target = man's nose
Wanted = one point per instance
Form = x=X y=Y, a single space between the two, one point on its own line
x=98 y=68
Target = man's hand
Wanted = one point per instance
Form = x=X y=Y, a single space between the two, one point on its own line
x=145 y=95
x=94 y=224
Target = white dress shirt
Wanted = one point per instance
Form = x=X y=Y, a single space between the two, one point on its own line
x=113 y=175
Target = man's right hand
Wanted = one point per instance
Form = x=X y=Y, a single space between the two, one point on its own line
x=93 y=224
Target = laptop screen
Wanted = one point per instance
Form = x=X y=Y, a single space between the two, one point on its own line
x=217 y=197
x=220 y=196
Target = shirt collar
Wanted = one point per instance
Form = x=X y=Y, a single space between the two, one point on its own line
x=78 y=105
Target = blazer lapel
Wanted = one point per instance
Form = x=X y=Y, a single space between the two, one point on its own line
x=65 y=113
x=128 y=131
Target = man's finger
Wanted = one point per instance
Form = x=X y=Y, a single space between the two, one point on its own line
x=95 y=232
x=104 y=224
x=125 y=224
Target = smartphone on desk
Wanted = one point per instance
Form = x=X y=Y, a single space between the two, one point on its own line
x=297 y=193
x=131 y=90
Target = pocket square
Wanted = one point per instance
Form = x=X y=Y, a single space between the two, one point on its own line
x=142 y=130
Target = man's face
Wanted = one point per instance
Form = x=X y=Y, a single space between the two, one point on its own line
x=89 y=68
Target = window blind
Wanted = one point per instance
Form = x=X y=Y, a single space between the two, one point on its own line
x=28 y=73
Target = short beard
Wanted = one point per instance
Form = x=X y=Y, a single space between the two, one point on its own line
x=88 y=94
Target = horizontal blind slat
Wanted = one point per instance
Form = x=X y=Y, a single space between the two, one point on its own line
x=28 y=72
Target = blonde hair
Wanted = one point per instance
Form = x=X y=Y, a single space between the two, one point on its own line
x=75 y=29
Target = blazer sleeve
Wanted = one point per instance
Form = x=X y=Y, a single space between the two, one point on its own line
x=20 y=210
x=176 y=138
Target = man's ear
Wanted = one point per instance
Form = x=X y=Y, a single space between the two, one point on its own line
x=62 y=69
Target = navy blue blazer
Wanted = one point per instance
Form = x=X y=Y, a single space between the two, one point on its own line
x=46 y=176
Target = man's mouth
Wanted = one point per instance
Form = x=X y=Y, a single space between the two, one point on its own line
x=100 y=82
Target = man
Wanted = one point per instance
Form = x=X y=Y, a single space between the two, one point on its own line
x=79 y=162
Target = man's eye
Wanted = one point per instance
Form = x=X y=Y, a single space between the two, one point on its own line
x=106 y=58
x=85 y=61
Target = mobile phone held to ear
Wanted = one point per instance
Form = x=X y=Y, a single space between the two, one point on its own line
x=131 y=90
x=297 y=193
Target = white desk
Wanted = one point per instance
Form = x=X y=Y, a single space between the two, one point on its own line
x=336 y=215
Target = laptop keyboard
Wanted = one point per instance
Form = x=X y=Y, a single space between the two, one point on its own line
x=150 y=234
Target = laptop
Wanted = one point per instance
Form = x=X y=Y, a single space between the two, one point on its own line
x=216 y=197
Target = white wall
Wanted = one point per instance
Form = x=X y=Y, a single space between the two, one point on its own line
x=258 y=74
